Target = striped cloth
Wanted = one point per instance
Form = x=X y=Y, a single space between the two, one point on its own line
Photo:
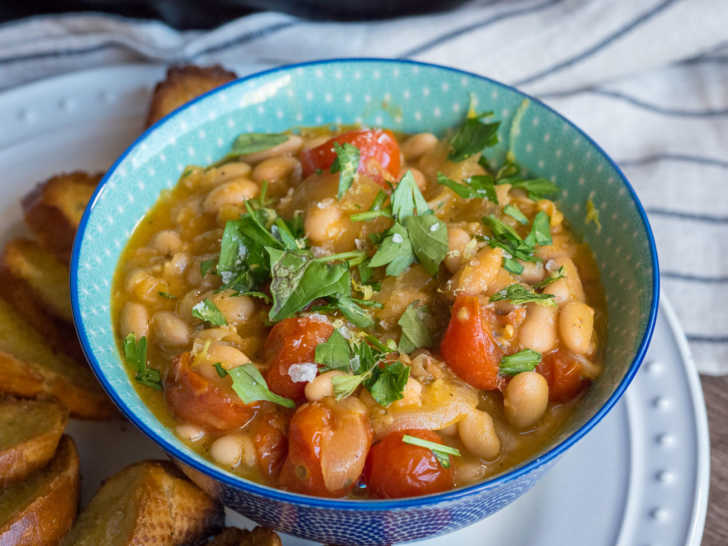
x=647 y=79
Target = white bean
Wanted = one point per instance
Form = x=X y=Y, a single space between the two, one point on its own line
x=532 y=272
x=276 y=169
x=569 y=287
x=229 y=357
x=418 y=145
x=235 y=309
x=189 y=432
x=167 y=241
x=475 y=275
x=538 y=331
x=322 y=386
x=477 y=432
x=469 y=472
x=134 y=320
x=419 y=177
x=230 y=193
x=323 y=223
x=169 y=329
x=232 y=449
x=576 y=323
x=411 y=393
x=525 y=399
x=229 y=171
x=457 y=240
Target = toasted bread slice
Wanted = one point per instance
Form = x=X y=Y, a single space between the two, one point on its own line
x=29 y=434
x=182 y=84
x=29 y=368
x=41 y=509
x=259 y=536
x=35 y=281
x=148 y=503
x=53 y=209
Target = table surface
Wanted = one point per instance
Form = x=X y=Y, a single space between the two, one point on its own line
x=716 y=399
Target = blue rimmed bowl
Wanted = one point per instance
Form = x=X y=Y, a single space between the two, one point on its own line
x=404 y=96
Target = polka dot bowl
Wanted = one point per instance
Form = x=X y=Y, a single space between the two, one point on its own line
x=404 y=96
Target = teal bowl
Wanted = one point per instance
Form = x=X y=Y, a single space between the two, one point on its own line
x=405 y=96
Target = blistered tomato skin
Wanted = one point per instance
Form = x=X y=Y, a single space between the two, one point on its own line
x=468 y=345
x=377 y=149
x=396 y=469
x=327 y=448
x=563 y=374
x=202 y=401
x=271 y=444
x=292 y=341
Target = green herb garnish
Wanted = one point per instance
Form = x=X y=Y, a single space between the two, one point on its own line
x=207 y=311
x=472 y=137
x=560 y=274
x=250 y=386
x=515 y=213
x=540 y=230
x=415 y=333
x=346 y=164
x=522 y=361
x=206 y=266
x=222 y=372
x=537 y=188
x=135 y=353
x=479 y=186
x=167 y=295
x=519 y=294
x=440 y=451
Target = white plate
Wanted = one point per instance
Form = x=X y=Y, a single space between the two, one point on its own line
x=640 y=477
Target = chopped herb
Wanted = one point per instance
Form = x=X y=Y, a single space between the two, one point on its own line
x=375 y=211
x=472 y=137
x=560 y=274
x=519 y=294
x=540 y=230
x=350 y=308
x=334 y=353
x=428 y=235
x=206 y=266
x=592 y=214
x=222 y=372
x=537 y=188
x=407 y=198
x=415 y=333
x=440 y=451
x=522 y=361
x=250 y=143
x=256 y=294
x=512 y=266
x=386 y=384
x=506 y=238
x=346 y=164
x=167 y=295
x=509 y=169
x=479 y=186
x=250 y=386
x=395 y=252
x=135 y=353
x=207 y=311
x=515 y=213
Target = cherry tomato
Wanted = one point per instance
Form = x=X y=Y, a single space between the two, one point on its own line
x=207 y=402
x=328 y=444
x=292 y=341
x=563 y=374
x=396 y=469
x=468 y=346
x=271 y=444
x=378 y=149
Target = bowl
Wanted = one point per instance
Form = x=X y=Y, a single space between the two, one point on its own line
x=405 y=96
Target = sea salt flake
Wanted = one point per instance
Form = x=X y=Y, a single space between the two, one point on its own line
x=302 y=373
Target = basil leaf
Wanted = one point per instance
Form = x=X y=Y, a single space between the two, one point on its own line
x=537 y=188
x=297 y=280
x=414 y=331
x=540 y=230
x=250 y=143
x=221 y=372
x=135 y=353
x=353 y=312
x=334 y=353
x=396 y=250
x=522 y=361
x=475 y=187
x=346 y=164
x=250 y=386
x=560 y=274
x=515 y=213
x=207 y=311
x=407 y=198
x=386 y=384
x=428 y=235
x=519 y=294
x=472 y=137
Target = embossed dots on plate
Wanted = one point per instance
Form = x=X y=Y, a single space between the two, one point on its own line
x=659 y=514
x=665 y=439
x=661 y=403
x=665 y=476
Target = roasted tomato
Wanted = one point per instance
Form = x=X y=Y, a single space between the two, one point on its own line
x=378 y=151
x=269 y=437
x=292 y=341
x=468 y=346
x=395 y=469
x=563 y=374
x=207 y=402
x=328 y=443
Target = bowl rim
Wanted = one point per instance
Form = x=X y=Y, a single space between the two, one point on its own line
x=272 y=493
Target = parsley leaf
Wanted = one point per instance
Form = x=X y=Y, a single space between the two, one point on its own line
x=472 y=137
x=515 y=213
x=250 y=143
x=522 y=361
x=346 y=164
x=345 y=385
x=375 y=211
x=440 y=451
x=537 y=188
x=414 y=331
x=428 y=235
x=334 y=353
x=540 y=230
x=560 y=274
x=506 y=238
x=512 y=266
x=250 y=386
x=480 y=186
x=135 y=353
x=395 y=250
x=407 y=198
x=167 y=295
x=386 y=384
x=350 y=308
x=519 y=294
x=206 y=265
x=221 y=372
x=207 y=311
